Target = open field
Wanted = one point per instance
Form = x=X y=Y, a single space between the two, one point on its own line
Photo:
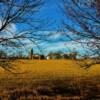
x=51 y=78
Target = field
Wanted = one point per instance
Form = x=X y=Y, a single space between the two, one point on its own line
x=49 y=78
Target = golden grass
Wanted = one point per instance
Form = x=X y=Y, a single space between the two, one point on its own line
x=48 y=75
x=36 y=71
x=41 y=69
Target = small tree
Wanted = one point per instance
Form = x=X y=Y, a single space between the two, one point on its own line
x=3 y=54
x=73 y=55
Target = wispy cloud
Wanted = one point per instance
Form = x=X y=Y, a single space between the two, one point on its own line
x=9 y=31
x=66 y=47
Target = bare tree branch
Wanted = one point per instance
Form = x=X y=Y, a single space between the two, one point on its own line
x=85 y=14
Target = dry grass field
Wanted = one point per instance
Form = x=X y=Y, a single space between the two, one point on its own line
x=50 y=78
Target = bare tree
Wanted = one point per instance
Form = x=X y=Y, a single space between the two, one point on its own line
x=19 y=13
x=84 y=16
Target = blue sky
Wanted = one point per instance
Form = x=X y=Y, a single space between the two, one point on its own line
x=52 y=16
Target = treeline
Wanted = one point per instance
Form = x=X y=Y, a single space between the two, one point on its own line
x=51 y=55
x=5 y=55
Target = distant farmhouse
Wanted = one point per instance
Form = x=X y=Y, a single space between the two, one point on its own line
x=61 y=56
x=53 y=56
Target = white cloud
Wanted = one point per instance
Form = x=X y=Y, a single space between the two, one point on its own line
x=9 y=31
x=68 y=46
x=55 y=35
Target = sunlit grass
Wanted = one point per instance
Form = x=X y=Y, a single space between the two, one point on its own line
x=45 y=76
x=49 y=69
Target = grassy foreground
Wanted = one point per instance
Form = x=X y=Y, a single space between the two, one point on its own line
x=49 y=77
